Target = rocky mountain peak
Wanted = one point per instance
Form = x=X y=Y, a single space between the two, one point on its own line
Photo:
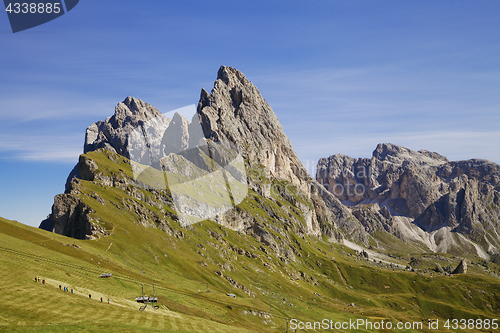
x=176 y=136
x=231 y=76
x=113 y=133
x=179 y=118
x=136 y=109
x=384 y=149
x=398 y=154
x=236 y=112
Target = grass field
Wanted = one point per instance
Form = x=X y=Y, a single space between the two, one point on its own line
x=193 y=269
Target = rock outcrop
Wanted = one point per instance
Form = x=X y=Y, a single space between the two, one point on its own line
x=461 y=268
x=71 y=217
x=439 y=269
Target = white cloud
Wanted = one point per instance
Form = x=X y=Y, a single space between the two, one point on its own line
x=43 y=148
x=19 y=107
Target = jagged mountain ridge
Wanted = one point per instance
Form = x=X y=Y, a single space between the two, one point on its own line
x=113 y=133
x=233 y=112
x=420 y=196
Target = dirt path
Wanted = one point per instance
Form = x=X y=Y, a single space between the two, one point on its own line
x=340 y=273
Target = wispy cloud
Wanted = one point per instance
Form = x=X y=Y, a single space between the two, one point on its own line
x=37 y=105
x=42 y=148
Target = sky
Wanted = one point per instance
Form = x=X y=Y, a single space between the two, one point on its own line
x=342 y=76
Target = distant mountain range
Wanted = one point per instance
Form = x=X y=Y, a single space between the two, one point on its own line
x=419 y=197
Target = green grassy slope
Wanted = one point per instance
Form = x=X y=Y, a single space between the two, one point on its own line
x=327 y=291
x=194 y=268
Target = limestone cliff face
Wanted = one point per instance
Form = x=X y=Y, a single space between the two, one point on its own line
x=423 y=187
x=71 y=217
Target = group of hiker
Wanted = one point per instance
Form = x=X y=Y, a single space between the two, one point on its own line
x=65 y=289
x=37 y=279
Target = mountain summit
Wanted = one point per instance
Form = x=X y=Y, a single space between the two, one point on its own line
x=235 y=111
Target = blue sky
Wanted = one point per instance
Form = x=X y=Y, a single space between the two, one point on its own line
x=341 y=76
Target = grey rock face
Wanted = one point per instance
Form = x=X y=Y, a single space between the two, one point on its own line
x=176 y=136
x=115 y=132
x=177 y=164
x=374 y=218
x=236 y=112
x=71 y=217
x=422 y=186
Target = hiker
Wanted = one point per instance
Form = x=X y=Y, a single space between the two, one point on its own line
x=59 y=287
x=71 y=290
x=43 y=282
x=36 y=279
x=101 y=299
x=108 y=300
x=90 y=296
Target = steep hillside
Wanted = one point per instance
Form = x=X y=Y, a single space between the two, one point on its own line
x=194 y=269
